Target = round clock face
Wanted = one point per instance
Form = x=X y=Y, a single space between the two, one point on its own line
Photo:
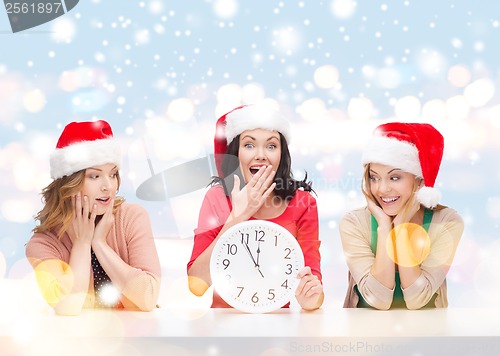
x=254 y=266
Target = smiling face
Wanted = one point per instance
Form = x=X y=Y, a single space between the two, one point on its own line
x=391 y=187
x=258 y=148
x=100 y=185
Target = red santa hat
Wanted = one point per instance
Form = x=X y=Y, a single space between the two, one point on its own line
x=413 y=147
x=242 y=118
x=83 y=145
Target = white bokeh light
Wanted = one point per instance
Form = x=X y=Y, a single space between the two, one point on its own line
x=479 y=92
x=431 y=63
x=457 y=107
x=34 y=101
x=109 y=294
x=228 y=96
x=252 y=93
x=493 y=208
x=63 y=30
x=225 y=9
x=326 y=77
x=434 y=110
x=155 y=7
x=360 y=108
x=142 y=36
x=407 y=108
x=3 y=265
x=388 y=78
x=343 y=9
x=286 y=39
x=312 y=110
x=24 y=171
x=459 y=76
x=494 y=115
x=17 y=210
x=181 y=109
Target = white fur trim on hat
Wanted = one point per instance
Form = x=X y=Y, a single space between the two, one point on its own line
x=428 y=197
x=70 y=159
x=256 y=117
x=394 y=153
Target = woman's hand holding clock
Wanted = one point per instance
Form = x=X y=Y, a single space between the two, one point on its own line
x=309 y=292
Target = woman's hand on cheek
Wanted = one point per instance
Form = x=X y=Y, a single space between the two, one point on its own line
x=309 y=292
x=104 y=225
x=378 y=213
x=82 y=227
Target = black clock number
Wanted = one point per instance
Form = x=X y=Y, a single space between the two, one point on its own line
x=226 y=263
x=288 y=251
x=289 y=270
x=271 y=294
x=232 y=249
x=244 y=238
x=255 y=299
x=241 y=290
x=259 y=235
x=285 y=284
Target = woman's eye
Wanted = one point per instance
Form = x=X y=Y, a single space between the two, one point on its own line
x=248 y=145
x=374 y=179
x=271 y=147
x=395 y=178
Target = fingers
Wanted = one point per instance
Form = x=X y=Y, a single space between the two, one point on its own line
x=86 y=209
x=263 y=178
x=268 y=191
x=309 y=284
x=236 y=186
x=268 y=177
x=77 y=203
x=93 y=213
x=82 y=207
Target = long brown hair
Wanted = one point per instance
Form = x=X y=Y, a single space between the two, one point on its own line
x=57 y=213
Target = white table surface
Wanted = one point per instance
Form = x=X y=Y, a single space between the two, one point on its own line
x=228 y=331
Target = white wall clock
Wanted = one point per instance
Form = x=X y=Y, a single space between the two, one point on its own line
x=254 y=266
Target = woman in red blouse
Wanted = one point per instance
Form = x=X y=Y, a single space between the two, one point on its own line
x=255 y=182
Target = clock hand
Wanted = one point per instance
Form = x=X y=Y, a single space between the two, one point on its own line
x=247 y=248
x=258 y=265
x=258 y=254
x=249 y=252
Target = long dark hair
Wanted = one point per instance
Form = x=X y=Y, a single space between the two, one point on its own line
x=286 y=185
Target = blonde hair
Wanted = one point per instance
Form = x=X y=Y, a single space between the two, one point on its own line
x=58 y=212
x=365 y=188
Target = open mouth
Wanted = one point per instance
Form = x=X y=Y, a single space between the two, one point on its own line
x=104 y=200
x=255 y=169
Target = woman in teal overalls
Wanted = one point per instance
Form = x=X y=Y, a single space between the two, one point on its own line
x=399 y=248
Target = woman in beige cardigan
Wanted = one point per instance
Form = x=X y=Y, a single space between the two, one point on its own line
x=399 y=248
x=91 y=249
